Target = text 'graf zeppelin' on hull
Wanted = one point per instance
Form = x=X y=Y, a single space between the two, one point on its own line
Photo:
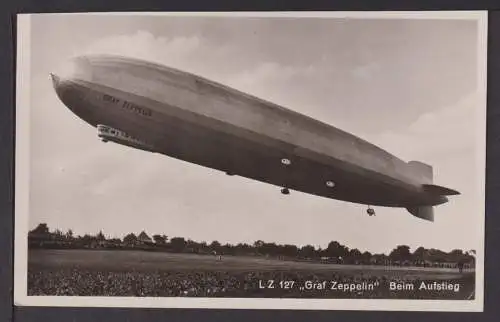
x=165 y=110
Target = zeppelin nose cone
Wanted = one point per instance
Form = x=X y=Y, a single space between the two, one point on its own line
x=55 y=80
x=68 y=75
x=74 y=69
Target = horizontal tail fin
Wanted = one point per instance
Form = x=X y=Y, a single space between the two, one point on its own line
x=422 y=171
x=424 y=174
x=424 y=212
x=440 y=191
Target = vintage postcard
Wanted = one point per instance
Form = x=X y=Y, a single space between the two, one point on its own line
x=319 y=161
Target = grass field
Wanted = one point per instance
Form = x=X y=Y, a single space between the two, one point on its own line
x=142 y=273
x=147 y=261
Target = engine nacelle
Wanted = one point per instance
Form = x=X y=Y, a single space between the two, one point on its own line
x=107 y=133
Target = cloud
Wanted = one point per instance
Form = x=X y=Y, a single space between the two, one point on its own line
x=449 y=130
x=367 y=71
x=189 y=53
x=449 y=139
x=144 y=45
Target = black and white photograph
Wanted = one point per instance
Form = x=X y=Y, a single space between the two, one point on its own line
x=306 y=160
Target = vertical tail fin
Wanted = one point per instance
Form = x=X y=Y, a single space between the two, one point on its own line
x=424 y=174
x=421 y=171
x=424 y=212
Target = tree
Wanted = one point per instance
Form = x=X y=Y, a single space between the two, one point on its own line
x=41 y=229
x=193 y=246
x=307 y=251
x=203 y=246
x=366 y=257
x=456 y=255
x=39 y=235
x=269 y=249
x=87 y=239
x=227 y=249
x=336 y=250
x=69 y=234
x=437 y=255
x=115 y=241
x=470 y=255
x=58 y=235
x=178 y=244
x=258 y=243
x=290 y=250
x=100 y=236
x=130 y=239
x=354 y=255
x=215 y=246
x=380 y=259
x=420 y=254
x=243 y=249
x=159 y=239
x=400 y=253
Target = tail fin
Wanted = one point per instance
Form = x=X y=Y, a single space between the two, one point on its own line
x=422 y=171
x=439 y=191
x=424 y=174
x=424 y=212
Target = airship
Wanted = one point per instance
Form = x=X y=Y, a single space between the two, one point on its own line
x=160 y=109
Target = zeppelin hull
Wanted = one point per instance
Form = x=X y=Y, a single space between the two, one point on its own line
x=184 y=116
x=198 y=139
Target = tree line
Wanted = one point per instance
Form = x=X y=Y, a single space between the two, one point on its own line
x=335 y=252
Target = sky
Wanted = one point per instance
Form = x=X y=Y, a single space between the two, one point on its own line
x=409 y=86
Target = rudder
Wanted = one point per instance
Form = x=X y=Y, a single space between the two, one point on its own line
x=424 y=212
x=422 y=170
